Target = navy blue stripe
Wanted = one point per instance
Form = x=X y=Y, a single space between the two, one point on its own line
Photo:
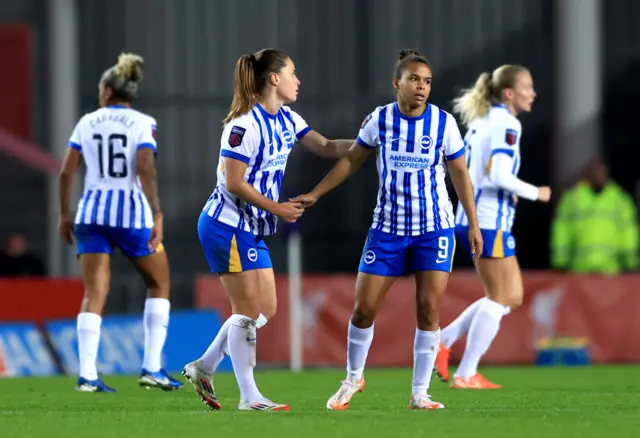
x=278 y=177
x=395 y=146
x=283 y=129
x=96 y=205
x=271 y=135
x=283 y=124
x=422 y=181
x=107 y=208
x=382 y=129
x=302 y=133
x=407 y=202
x=423 y=202
x=240 y=214
x=132 y=211
x=442 y=122
x=85 y=205
x=120 y=211
x=395 y=140
x=75 y=146
x=455 y=155
x=512 y=204
x=142 y=216
x=259 y=157
x=270 y=219
x=411 y=135
x=500 y=205
x=393 y=191
x=235 y=156
x=288 y=115
x=263 y=191
x=505 y=151
x=216 y=213
x=256 y=166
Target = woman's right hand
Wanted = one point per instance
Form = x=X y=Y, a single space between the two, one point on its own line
x=544 y=194
x=289 y=211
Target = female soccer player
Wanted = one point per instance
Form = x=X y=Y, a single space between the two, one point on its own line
x=490 y=110
x=258 y=136
x=413 y=226
x=119 y=208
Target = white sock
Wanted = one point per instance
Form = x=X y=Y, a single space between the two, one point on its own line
x=88 y=327
x=484 y=328
x=460 y=326
x=215 y=353
x=358 y=343
x=156 y=322
x=242 y=348
x=261 y=321
x=425 y=350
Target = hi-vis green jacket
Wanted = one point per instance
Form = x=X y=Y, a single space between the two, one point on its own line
x=595 y=233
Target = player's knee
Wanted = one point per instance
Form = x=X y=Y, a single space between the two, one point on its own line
x=515 y=300
x=93 y=302
x=363 y=315
x=158 y=290
x=268 y=310
x=428 y=317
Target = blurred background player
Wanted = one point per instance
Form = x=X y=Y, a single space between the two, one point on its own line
x=413 y=222
x=119 y=208
x=489 y=109
x=259 y=133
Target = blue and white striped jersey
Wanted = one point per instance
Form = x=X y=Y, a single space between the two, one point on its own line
x=495 y=135
x=412 y=196
x=263 y=141
x=108 y=140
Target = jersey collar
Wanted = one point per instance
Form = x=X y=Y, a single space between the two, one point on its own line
x=397 y=112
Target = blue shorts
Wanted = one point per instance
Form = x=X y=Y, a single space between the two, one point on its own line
x=229 y=249
x=101 y=239
x=498 y=244
x=389 y=255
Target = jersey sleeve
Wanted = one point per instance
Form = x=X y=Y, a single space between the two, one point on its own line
x=75 y=141
x=148 y=135
x=300 y=125
x=368 y=135
x=454 y=144
x=505 y=138
x=240 y=140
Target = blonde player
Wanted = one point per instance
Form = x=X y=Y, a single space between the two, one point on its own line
x=258 y=136
x=118 y=209
x=490 y=110
x=413 y=222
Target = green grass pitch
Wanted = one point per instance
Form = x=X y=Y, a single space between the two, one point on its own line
x=581 y=402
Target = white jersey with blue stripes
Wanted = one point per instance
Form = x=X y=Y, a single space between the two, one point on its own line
x=499 y=132
x=263 y=141
x=412 y=195
x=108 y=140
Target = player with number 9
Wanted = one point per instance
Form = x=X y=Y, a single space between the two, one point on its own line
x=118 y=209
x=413 y=226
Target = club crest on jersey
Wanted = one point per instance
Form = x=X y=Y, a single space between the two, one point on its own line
x=511 y=137
x=235 y=137
x=425 y=143
x=365 y=121
x=289 y=138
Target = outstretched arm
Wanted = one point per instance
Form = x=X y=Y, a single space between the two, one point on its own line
x=323 y=147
